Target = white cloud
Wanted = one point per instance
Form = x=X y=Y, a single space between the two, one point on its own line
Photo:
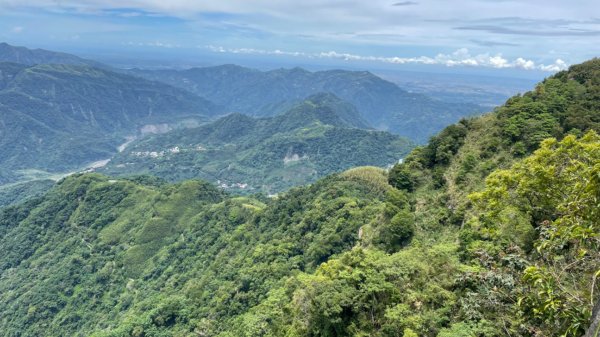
x=557 y=66
x=17 y=29
x=356 y=25
x=524 y=64
x=460 y=57
x=158 y=44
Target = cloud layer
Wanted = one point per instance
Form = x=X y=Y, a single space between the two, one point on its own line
x=529 y=35
x=461 y=57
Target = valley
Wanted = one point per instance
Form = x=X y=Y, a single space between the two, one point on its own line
x=226 y=201
x=266 y=93
x=317 y=137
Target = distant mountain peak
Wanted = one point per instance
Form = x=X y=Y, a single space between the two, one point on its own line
x=23 y=55
x=381 y=103
x=328 y=109
x=324 y=98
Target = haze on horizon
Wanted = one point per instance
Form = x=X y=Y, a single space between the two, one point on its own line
x=512 y=38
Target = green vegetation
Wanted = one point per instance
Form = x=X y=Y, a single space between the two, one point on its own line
x=125 y=257
x=381 y=103
x=16 y=193
x=549 y=202
x=57 y=118
x=246 y=155
x=483 y=232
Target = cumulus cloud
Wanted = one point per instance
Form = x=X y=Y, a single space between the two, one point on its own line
x=357 y=25
x=558 y=65
x=461 y=57
x=526 y=64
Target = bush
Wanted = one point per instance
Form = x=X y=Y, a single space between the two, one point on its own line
x=401 y=178
x=398 y=232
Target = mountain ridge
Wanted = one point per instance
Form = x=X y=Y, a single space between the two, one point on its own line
x=265 y=93
x=59 y=117
x=488 y=230
x=24 y=55
x=317 y=137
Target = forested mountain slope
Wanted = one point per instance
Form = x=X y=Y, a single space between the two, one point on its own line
x=11 y=194
x=482 y=232
x=22 y=55
x=320 y=136
x=382 y=104
x=59 y=117
x=527 y=225
x=107 y=250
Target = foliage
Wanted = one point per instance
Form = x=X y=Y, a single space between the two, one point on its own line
x=249 y=155
x=554 y=194
x=59 y=117
x=117 y=258
x=401 y=177
x=361 y=293
x=348 y=255
x=382 y=104
x=16 y=193
x=528 y=233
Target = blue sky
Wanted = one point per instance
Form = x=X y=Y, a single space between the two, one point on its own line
x=527 y=36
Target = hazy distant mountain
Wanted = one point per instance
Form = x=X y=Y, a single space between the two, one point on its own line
x=23 y=55
x=57 y=117
x=381 y=103
x=320 y=136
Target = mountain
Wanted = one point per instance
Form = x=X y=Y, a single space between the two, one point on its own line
x=104 y=249
x=318 y=137
x=381 y=103
x=59 y=117
x=12 y=194
x=327 y=109
x=30 y=57
x=518 y=189
x=491 y=229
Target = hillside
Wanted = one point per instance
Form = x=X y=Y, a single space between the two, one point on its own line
x=22 y=55
x=525 y=218
x=381 y=103
x=485 y=231
x=318 y=137
x=12 y=194
x=60 y=117
x=110 y=248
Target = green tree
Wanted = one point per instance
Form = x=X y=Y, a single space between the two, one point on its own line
x=549 y=202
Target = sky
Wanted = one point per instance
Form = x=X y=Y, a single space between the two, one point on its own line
x=494 y=35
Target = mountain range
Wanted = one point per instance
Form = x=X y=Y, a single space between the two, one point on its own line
x=57 y=117
x=266 y=93
x=60 y=113
x=490 y=229
x=31 y=57
x=317 y=137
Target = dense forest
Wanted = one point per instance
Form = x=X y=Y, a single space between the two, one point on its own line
x=491 y=229
x=320 y=136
